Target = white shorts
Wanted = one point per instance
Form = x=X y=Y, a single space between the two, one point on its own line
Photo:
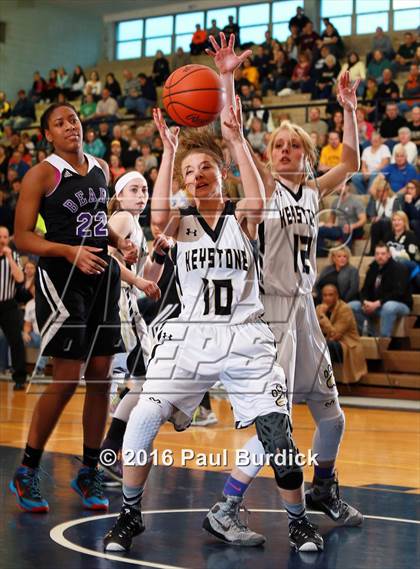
x=189 y=358
x=302 y=350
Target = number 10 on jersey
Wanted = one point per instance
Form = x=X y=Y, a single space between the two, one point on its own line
x=221 y=291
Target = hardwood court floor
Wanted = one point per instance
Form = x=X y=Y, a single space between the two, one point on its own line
x=381 y=448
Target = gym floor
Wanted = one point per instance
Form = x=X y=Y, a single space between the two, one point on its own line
x=378 y=469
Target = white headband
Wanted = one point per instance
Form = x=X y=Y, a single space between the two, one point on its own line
x=125 y=178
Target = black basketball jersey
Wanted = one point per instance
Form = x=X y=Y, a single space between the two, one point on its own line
x=75 y=211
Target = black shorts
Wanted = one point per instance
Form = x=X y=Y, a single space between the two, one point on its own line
x=77 y=314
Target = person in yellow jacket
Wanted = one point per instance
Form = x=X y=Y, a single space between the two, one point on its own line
x=339 y=327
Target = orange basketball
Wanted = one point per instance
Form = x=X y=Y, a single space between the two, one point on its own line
x=194 y=95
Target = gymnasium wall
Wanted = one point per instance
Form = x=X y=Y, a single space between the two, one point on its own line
x=41 y=35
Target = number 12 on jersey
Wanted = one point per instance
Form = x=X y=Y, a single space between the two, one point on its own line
x=302 y=249
x=221 y=291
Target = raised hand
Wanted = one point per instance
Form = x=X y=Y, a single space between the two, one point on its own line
x=346 y=92
x=169 y=137
x=224 y=56
x=162 y=244
x=234 y=129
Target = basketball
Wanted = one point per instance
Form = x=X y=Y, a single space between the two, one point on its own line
x=194 y=95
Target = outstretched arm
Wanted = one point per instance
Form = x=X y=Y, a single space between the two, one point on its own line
x=162 y=214
x=226 y=61
x=350 y=159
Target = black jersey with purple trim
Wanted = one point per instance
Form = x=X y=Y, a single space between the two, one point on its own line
x=75 y=211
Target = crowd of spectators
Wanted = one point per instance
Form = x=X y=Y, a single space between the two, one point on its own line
x=308 y=62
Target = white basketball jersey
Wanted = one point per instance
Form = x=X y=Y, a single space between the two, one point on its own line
x=288 y=241
x=137 y=237
x=216 y=270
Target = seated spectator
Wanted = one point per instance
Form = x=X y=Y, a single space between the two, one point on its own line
x=179 y=59
x=4 y=161
x=369 y=99
x=199 y=41
x=401 y=172
x=301 y=78
x=52 y=88
x=339 y=327
x=388 y=90
x=356 y=69
x=404 y=137
x=232 y=28
x=5 y=107
x=256 y=110
x=131 y=154
x=385 y=294
x=78 y=81
x=308 y=38
x=326 y=78
x=331 y=153
x=346 y=220
x=336 y=123
x=379 y=211
x=267 y=45
x=115 y=168
x=261 y=61
x=160 y=71
x=93 y=145
x=10 y=317
x=292 y=44
x=377 y=65
x=16 y=161
x=408 y=201
x=374 y=159
x=150 y=159
x=315 y=124
x=63 y=81
x=88 y=107
x=32 y=337
x=299 y=20
x=214 y=30
x=319 y=57
x=411 y=89
x=113 y=86
x=341 y=274
x=39 y=88
x=280 y=69
x=107 y=107
x=130 y=83
x=141 y=100
x=255 y=135
x=23 y=113
x=364 y=127
x=117 y=135
x=246 y=93
x=104 y=133
x=405 y=54
x=250 y=72
x=93 y=86
x=332 y=39
x=382 y=43
x=391 y=124
x=26 y=290
x=404 y=245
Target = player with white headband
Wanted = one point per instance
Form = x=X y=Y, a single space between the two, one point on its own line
x=124 y=208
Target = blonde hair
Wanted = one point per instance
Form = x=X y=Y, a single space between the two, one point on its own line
x=309 y=147
x=343 y=249
x=404 y=218
x=380 y=183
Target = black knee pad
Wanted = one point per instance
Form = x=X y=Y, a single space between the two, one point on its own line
x=275 y=433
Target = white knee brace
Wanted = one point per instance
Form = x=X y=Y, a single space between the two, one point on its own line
x=144 y=424
x=330 y=422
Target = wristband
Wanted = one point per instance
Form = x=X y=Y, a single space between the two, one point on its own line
x=159 y=259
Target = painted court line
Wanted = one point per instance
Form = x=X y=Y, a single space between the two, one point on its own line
x=57 y=533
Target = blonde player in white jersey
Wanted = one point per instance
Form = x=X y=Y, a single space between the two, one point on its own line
x=288 y=253
x=219 y=333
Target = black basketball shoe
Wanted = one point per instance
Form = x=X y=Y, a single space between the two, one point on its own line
x=303 y=536
x=324 y=496
x=129 y=524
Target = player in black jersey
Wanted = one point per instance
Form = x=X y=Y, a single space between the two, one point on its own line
x=77 y=292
